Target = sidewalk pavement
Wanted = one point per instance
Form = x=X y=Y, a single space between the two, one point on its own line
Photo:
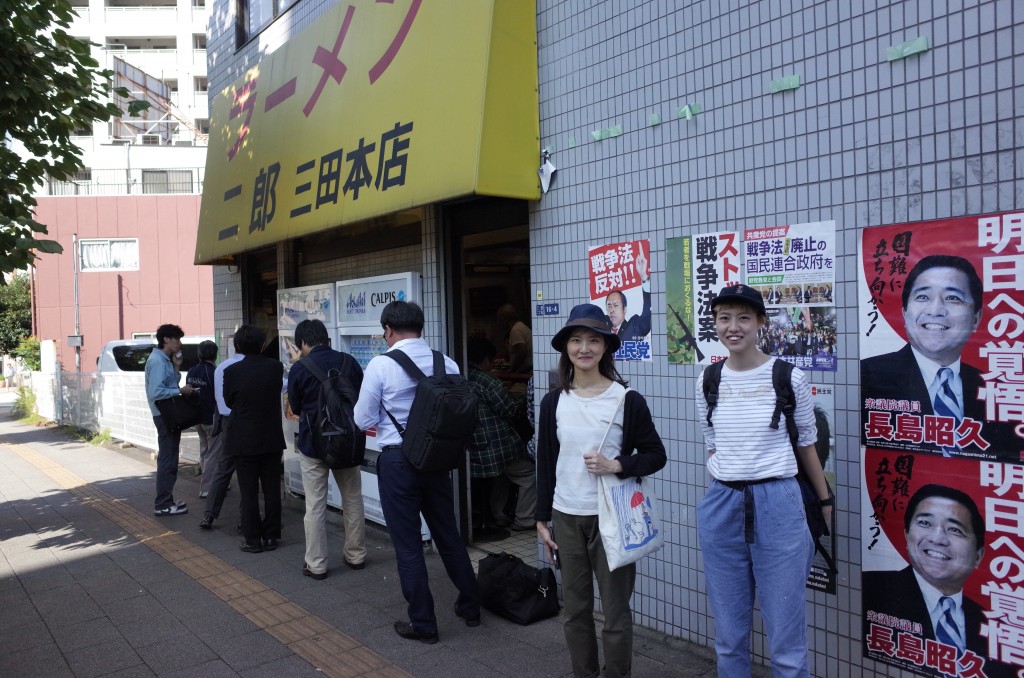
x=92 y=584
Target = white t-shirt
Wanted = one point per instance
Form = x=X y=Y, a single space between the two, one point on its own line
x=581 y=423
x=745 y=445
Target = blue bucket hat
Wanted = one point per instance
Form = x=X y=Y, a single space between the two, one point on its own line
x=590 y=317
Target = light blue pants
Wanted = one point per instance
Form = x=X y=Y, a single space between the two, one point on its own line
x=777 y=564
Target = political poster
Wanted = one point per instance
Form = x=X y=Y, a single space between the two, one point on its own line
x=620 y=283
x=940 y=322
x=942 y=555
x=793 y=267
x=698 y=267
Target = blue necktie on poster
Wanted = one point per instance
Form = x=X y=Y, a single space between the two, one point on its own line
x=946 y=631
x=945 y=403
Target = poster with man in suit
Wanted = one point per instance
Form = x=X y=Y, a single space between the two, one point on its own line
x=941 y=562
x=940 y=327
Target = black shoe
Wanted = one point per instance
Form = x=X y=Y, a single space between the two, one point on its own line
x=319 y=576
x=406 y=630
x=355 y=566
x=270 y=544
x=207 y=522
x=246 y=547
x=471 y=622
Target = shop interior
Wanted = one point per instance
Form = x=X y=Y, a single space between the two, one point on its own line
x=489 y=251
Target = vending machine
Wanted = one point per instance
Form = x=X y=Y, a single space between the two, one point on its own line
x=355 y=329
x=293 y=306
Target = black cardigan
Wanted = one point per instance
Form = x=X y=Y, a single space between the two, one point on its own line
x=638 y=433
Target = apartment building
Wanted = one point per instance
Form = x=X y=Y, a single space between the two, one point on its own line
x=130 y=215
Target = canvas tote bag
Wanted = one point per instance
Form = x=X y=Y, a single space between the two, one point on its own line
x=627 y=513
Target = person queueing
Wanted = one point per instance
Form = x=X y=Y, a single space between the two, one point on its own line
x=255 y=437
x=303 y=396
x=211 y=444
x=162 y=382
x=573 y=420
x=226 y=465
x=405 y=491
x=498 y=457
x=751 y=523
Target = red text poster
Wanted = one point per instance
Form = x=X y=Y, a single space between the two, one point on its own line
x=942 y=357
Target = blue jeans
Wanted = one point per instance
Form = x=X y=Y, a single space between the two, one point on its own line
x=168 y=444
x=404 y=494
x=777 y=563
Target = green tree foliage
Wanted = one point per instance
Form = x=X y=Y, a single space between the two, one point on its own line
x=15 y=313
x=28 y=351
x=49 y=86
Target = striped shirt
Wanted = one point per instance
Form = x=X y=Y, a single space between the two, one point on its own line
x=744 y=445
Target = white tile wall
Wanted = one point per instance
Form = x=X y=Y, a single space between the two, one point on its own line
x=863 y=141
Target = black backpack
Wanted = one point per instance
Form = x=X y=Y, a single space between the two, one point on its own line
x=337 y=440
x=442 y=417
x=785 y=404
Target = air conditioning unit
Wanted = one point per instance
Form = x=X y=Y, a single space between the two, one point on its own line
x=148 y=139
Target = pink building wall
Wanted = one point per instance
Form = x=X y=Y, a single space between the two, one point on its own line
x=167 y=288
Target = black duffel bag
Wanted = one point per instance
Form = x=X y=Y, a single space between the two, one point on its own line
x=512 y=589
x=179 y=412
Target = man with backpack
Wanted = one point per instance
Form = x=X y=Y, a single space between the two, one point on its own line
x=306 y=385
x=752 y=523
x=416 y=456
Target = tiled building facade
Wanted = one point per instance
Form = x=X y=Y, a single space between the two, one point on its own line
x=863 y=140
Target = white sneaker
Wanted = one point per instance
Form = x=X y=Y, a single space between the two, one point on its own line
x=172 y=510
x=204 y=495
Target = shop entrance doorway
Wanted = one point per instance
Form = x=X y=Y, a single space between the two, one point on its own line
x=488 y=313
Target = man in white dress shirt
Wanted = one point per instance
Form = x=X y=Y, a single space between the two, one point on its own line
x=405 y=491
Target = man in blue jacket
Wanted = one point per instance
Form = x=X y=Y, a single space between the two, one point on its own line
x=162 y=382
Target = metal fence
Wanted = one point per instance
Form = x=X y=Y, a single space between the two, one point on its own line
x=104 y=402
x=184 y=180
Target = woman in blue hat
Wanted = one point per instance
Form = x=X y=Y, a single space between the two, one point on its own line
x=591 y=399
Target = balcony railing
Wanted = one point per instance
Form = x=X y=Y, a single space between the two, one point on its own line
x=179 y=180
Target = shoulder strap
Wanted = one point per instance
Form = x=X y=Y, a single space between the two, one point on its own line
x=712 y=377
x=413 y=371
x=785 y=399
x=409 y=366
x=313 y=368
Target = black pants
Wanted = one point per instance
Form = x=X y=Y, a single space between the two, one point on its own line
x=254 y=472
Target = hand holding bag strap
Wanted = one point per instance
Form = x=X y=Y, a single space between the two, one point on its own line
x=607 y=430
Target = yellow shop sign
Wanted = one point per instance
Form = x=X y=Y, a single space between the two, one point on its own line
x=376 y=107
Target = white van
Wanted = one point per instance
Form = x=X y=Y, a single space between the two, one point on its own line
x=130 y=355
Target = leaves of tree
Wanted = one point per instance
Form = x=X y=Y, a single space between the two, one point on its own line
x=50 y=86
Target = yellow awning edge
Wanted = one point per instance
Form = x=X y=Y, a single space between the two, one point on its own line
x=375 y=108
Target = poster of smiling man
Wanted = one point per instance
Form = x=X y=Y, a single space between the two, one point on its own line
x=942 y=557
x=942 y=360
x=620 y=283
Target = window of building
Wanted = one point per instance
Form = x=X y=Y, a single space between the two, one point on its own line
x=167 y=181
x=253 y=15
x=108 y=254
x=203 y=125
x=80 y=183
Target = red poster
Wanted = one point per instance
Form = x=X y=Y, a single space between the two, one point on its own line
x=942 y=355
x=934 y=528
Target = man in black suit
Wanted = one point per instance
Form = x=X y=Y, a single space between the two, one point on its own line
x=942 y=305
x=945 y=535
x=255 y=437
x=637 y=327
